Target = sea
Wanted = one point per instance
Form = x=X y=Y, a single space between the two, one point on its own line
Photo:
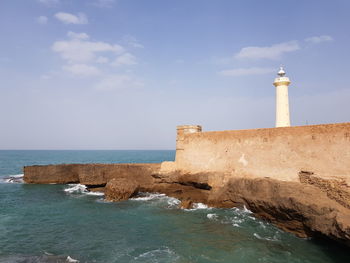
x=65 y=223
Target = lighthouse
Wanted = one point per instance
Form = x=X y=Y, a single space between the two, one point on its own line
x=282 y=101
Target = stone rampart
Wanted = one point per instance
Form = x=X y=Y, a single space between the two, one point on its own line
x=277 y=153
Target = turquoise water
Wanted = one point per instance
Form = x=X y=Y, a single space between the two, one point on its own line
x=45 y=223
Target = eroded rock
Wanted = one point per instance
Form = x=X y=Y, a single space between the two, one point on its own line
x=186 y=204
x=301 y=209
x=120 y=189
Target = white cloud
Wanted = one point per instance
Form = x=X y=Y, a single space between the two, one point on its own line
x=86 y=58
x=42 y=20
x=80 y=50
x=74 y=35
x=102 y=60
x=319 y=39
x=246 y=71
x=49 y=2
x=68 y=18
x=125 y=59
x=104 y=3
x=115 y=82
x=269 y=52
x=82 y=70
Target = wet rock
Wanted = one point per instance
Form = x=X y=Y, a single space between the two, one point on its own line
x=302 y=209
x=186 y=204
x=120 y=189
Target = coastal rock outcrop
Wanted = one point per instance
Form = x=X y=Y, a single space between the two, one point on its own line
x=100 y=174
x=311 y=207
x=301 y=209
x=120 y=189
x=52 y=174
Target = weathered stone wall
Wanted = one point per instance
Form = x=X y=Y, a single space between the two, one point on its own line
x=52 y=174
x=278 y=153
x=89 y=174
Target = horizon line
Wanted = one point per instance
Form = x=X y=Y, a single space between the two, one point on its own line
x=87 y=149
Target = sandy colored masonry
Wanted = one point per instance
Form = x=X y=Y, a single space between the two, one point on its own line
x=277 y=153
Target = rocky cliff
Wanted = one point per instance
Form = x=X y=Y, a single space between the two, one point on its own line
x=296 y=177
x=306 y=208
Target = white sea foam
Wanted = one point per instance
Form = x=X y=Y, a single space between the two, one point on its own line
x=148 y=196
x=212 y=216
x=157 y=255
x=198 y=206
x=76 y=188
x=246 y=210
x=157 y=197
x=95 y=193
x=236 y=221
x=81 y=189
x=71 y=260
x=274 y=238
x=17 y=178
x=172 y=202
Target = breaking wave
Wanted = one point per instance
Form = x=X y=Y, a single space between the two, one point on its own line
x=81 y=189
x=198 y=206
x=157 y=255
x=170 y=202
x=243 y=218
x=17 y=178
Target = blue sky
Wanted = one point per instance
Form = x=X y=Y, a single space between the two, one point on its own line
x=121 y=74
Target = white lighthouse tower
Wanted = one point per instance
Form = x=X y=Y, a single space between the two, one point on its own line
x=282 y=102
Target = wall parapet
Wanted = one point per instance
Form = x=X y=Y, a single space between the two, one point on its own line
x=183 y=130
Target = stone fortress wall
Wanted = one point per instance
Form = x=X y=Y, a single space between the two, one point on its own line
x=278 y=153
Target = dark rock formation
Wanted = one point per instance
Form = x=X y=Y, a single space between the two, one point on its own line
x=120 y=189
x=301 y=209
x=335 y=189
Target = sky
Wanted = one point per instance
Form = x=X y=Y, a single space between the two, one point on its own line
x=122 y=74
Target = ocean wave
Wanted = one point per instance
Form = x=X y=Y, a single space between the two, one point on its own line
x=157 y=197
x=17 y=178
x=157 y=255
x=76 y=188
x=198 y=206
x=274 y=238
x=81 y=189
x=95 y=193
x=212 y=216
x=148 y=196
x=237 y=217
